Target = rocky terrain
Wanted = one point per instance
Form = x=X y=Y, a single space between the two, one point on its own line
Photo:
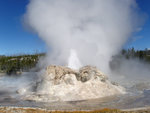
x=59 y=83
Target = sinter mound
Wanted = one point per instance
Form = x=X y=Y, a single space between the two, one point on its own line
x=61 y=83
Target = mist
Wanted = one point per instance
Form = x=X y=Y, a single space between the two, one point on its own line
x=94 y=30
x=15 y=86
x=129 y=72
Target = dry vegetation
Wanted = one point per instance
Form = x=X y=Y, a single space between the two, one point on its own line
x=35 y=110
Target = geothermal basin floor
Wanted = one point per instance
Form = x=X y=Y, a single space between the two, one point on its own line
x=127 y=101
x=117 y=102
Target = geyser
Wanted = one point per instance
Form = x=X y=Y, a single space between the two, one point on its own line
x=91 y=30
x=79 y=33
x=73 y=61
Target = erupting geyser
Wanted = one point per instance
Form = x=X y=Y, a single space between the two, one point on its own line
x=79 y=33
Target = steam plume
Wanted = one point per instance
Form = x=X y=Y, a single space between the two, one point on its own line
x=94 y=29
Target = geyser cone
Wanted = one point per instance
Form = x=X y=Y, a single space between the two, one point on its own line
x=61 y=83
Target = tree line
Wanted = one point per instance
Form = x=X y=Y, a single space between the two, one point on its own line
x=23 y=63
x=140 y=54
x=17 y=64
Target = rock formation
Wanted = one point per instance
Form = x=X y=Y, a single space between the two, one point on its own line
x=61 y=83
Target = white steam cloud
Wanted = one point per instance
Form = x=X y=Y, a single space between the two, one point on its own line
x=92 y=30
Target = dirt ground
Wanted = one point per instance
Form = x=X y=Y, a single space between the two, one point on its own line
x=38 y=110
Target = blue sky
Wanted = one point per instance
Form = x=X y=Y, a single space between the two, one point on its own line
x=14 y=39
x=143 y=37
